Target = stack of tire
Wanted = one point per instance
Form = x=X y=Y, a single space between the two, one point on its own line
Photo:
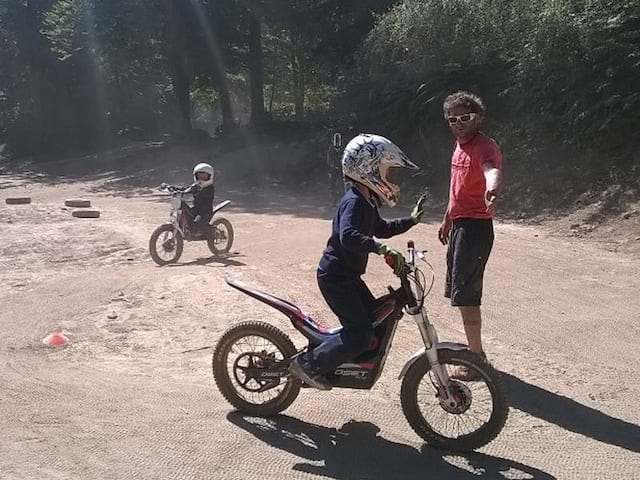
x=82 y=208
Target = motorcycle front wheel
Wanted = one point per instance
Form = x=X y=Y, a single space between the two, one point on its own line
x=472 y=418
x=166 y=245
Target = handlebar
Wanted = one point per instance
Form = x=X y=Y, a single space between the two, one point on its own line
x=173 y=189
x=413 y=274
x=412 y=253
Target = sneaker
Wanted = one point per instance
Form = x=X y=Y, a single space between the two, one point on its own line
x=298 y=370
x=466 y=374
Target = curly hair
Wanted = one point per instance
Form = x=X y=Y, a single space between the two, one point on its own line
x=464 y=99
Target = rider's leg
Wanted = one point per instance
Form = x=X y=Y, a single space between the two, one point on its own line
x=351 y=301
x=189 y=213
x=202 y=225
x=206 y=217
x=198 y=222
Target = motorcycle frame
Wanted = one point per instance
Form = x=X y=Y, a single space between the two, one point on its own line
x=365 y=370
x=177 y=213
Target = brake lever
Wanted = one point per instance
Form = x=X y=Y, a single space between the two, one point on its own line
x=421 y=255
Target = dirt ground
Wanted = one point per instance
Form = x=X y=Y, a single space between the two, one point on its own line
x=124 y=401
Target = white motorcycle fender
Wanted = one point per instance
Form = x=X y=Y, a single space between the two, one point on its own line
x=439 y=346
x=219 y=207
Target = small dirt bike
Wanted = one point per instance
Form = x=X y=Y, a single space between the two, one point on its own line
x=167 y=241
x=251 y=360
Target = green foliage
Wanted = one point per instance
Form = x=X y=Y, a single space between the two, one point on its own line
x=61 y=25
x=559 y=77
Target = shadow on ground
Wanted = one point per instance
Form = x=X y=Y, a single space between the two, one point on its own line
x=357 y=450
x=571 y=415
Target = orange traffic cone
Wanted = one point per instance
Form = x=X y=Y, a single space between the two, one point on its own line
x=55 y=338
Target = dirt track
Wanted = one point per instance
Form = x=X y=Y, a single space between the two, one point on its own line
x=122 y=401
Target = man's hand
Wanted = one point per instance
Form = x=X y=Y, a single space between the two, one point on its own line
x=490 y=197
x=443 y=231
x=418 y=210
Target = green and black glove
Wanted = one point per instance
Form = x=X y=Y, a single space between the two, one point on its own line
x=396 y=256
x=418 y=210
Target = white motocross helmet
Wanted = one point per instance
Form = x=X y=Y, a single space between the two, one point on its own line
x=203 y=168
x=368 y=158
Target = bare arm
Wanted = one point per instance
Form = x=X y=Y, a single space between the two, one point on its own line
x=493 y=179
x=445 y=227
x=492 y=176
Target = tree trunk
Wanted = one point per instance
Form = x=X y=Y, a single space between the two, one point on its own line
x=102 y=119
x=298 y=66
x=225 y=101
x=216 y=68
x=256 y=70
x=274 y=82
x=176 y=49
x=181 y=84
x=36 y=61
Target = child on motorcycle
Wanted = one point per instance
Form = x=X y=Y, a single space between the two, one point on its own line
x=366 y=162
x=203 y=193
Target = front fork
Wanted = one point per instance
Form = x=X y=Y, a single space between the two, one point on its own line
x=174 y=218
x=430 y=339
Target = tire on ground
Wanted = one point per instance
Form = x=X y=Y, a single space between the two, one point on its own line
x=86 y=213
x=18 y=200
x=77 y=203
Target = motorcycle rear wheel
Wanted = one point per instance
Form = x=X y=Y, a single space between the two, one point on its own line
x=254 y=345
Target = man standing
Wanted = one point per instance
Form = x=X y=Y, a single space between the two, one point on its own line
x=467 y=225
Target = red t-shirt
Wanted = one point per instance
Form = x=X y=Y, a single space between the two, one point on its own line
x=468 y=186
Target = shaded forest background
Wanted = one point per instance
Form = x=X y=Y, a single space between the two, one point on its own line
x=560 y=78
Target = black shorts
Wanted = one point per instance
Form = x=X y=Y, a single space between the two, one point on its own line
x=470 y=244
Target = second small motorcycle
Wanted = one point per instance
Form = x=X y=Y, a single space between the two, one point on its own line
x=167 y=241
